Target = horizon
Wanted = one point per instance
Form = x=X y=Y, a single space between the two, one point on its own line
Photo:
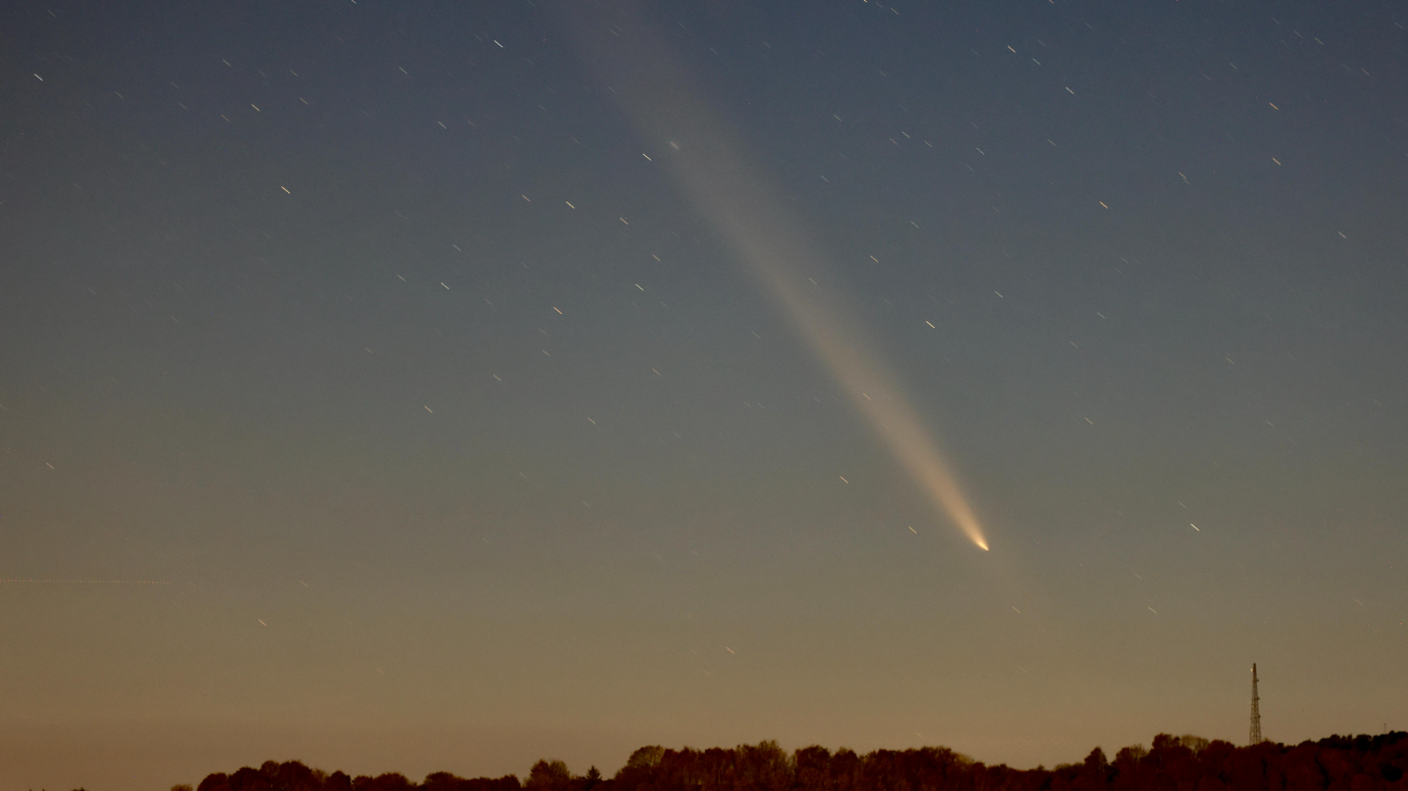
x=556 y=773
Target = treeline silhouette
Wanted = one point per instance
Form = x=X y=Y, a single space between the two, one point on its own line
x=1173 y=763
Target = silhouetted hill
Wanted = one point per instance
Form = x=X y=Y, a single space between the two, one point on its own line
x=1186 y=763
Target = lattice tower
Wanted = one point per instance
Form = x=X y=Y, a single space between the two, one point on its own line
x=1255 y=737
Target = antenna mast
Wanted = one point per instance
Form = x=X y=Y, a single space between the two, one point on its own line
x=1255 y=737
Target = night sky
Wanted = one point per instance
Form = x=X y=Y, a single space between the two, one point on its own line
x=429 y=386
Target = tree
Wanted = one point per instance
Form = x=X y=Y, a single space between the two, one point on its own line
x=763 y=766
x=1096 y=761
x=813 y=768
x=1094 y=773
x=1131 y=754
x=646 y=756
x=295 y=776
x=390 y=781
x=1195 y=743
x=249 y=779
x=549 y=776
x=441 y=781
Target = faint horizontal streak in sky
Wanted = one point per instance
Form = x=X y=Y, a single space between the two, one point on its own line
x=96 y=582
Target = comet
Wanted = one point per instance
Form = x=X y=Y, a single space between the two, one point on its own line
x=709 y=166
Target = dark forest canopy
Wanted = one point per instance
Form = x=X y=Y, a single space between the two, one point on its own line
x=1172 y=763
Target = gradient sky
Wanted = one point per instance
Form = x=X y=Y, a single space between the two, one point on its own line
x=378 y=389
